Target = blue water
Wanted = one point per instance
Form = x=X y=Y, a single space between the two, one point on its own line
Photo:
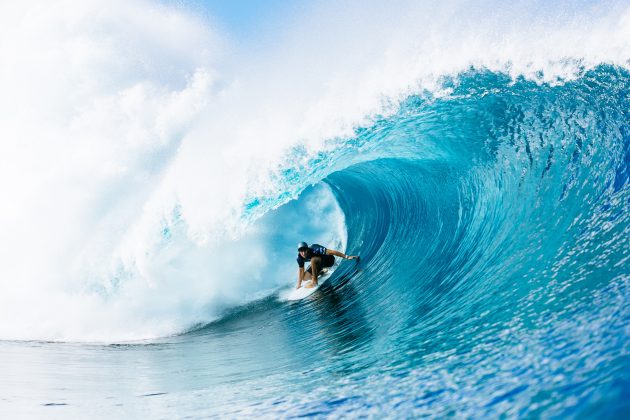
x=493 y=226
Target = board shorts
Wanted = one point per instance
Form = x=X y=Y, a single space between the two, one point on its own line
x=327 y=261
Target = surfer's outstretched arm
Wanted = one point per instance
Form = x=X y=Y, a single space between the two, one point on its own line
x=341 y=255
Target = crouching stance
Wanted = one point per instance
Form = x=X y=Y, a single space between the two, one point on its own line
x=320 y=258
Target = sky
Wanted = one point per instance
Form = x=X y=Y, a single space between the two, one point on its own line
x=242 y=20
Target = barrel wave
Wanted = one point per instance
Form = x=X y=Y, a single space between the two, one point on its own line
x=493 y=228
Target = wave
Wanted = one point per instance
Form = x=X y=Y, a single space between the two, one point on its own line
x=493 y=227
x=505 y=196
x=170 y=184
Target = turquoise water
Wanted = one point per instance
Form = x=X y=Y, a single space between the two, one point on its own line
x=493 y=227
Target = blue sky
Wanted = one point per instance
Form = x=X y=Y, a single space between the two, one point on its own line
x=243 y=19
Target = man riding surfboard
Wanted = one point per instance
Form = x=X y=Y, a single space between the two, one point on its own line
x=320 y=258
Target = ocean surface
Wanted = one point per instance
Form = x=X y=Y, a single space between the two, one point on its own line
x=491 y=211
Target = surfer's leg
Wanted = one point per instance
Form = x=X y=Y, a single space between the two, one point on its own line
x=315 y=266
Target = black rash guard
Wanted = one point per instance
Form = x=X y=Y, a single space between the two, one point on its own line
x=313 y=250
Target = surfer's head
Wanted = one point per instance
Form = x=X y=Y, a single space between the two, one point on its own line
x=303 y=248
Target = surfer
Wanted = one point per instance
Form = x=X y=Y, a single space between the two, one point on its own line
x=320 y=258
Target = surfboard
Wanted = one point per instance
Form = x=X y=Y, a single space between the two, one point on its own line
x=303 y=291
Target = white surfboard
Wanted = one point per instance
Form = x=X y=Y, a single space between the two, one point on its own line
x=303 y=291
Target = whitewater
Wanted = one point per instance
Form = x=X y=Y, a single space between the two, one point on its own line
x=157 y=173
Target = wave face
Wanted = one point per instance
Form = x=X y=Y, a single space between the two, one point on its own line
x=504 y=196
x=493 y=226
